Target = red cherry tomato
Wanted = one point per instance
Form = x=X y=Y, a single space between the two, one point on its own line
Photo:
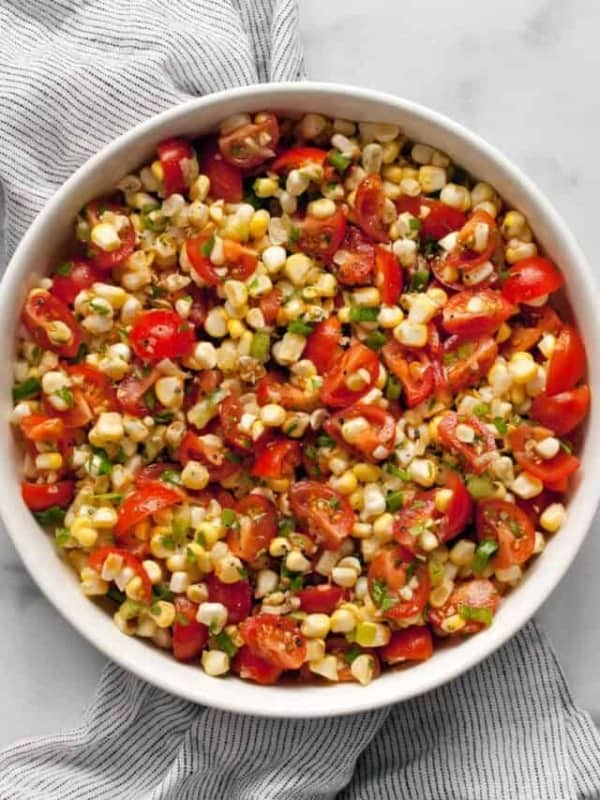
x=413 y=368
x=389 y=573
x=240 y=261
x=132 y=390
x=326 y=513
x=41 y=310
x=409 y=644
x=335 y=391
x=108 y=259
x=277 y=458
x=466 y=257
x=549 y=470
x=508 y=525
x=236 y=597
x=201 y=301
x=323 y=344
x=319 y=238
x=96 y=388
x=220 y=462
x=476 y=594
x=42 y=428
x=173 y=155
x=438 y=220
x=251 y=667
x=230 y=414
x=225 y=179
x=339 y=647
x=460 y=510
x=380 y=435
x=531 y=279
x=297 y=157
x=190 y=637
x=275 y=639
x=388 y=276
x=77 y=416
x=144 y=502
x=321 y=599
x=274 y=389
x=160 y=333
x=269 y=304
x=477 y=454
x=40 y=496
x=537 y=321
x=562 y=412
x=567 y=362
x=466 y=361
x=476 y=313
x=369 y=206
x=74 y=276
x=251 y=144
x=414 y=519
x=256 y=526
x=99 y=556
x=354 y=262
x=154 y=472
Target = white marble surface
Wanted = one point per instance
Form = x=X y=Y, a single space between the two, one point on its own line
x=523 y=76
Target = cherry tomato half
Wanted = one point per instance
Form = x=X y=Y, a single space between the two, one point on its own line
x=354 y=261
x=251 y=144
x=251 y=667
x=95 y=386
x=567 y=362
x=225 y=179
x=142 y=503
x=74 y=276
x=466 y=361
x=42 y=310
x=438 y=218
x=475 y=594
x=474 y=313
x=377 y=442
x=508 y=525
x=389 y=573
x=99 y=556
x=161 y=333
x=190 y=637
x=323 y=344
x=319 y=238
x=335 y=391
x=326 y=513
x=131 y=391
x=531 y=279
x=276 y=639
x=236 y=597
x=220 y=462
x=409 y=644
x=549 y=470
x=562 y=412
x=535 y=322
x=478 y=453
x=321 y=599
x=297 y=157
x=467 y=256
x=369 y=206
x=40 y=496
x=273 y=388
x=256 y=526
x=174 y=155
x=230 y=414
x=277 y=458
x=389 y=278
x=239 y=261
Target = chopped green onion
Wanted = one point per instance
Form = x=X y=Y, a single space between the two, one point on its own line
x=481 y=410
x=475 y=614
x=394 y=501
x=129 y=609
x=294 y=234
x=98 y=308
x=285 y=527
x=110 y=497
x=436 y=572
x=50 y=516
x=62 y=537
x=162 y=592
x=207 y=247
x=171 y=476
x=150 y=399
x=99 y=463
x=363 y=314
x=340 y=162
x=260 y=346
x=414 y=224
x=325 y=441
x=403 y=474
x=419 y=280
x=229 y=518
x=301 y=327
x=65 y=395
x=393 y=388
x=501 y=425
x=565 y=446
x=28 y=388
x=352 y=653
x=375 y=340
x=479 y=487
x=225 y=644
x=485 y=550
x=381 y=596
x=164 y=417
x=115 y=595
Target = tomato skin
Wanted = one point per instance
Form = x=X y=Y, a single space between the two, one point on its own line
x=269 y=304
x=477 y=593
x=460 y=510
x=230 y=414
x=40 y=496
x=411 y=520
x=153 y=472
x=389 y=566
x=250 y=666
x=225 y=179
x=549 y=470
x=526 y=336
x=369 y=207
x=236 y=150
x=218 y=462
x=98 y=557
x=381 y=433
x=236 y=597
x=458 y=319
x=171 y=153
x=321 y=599
x=81 y=276
x=142 y=503
x=131 y=391
x=334 y=391
x=466 y=258
x=499 y=520
x=257 y=527
x=477 y=455
x=354 y=262
x=42 y=308
x=567 y=362
x=326 y=513
x=400 y=360
x=277 y=458
x=409 y=644
x=323 y=344
x=274 y=389
x=275 y=639
x=320 y=238
x=95 y=386
x=389 y=277
x=189 y=640
x=531 y=279
x=161 y=333
x=297 y=157
x=441 y=219
x=42 y=428
x=463 y=370
x=109 y=259
x=562 y=412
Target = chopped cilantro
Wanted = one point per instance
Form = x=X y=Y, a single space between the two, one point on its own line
x=340 y=162
x=485 y=550
x=294 y=234
x=394 y=501
x=208 y=246
x=325 y=441
x=334 y=503
x=481 y=410
x=229 y=518
x=28 y=388
x=566 y=447
x=61 y=537
x=225 y=644
x=397 y=472
x=301 y=327
x=363 y=314
x=65 y=395
x=285 y=527
x=50 y=516
x=381 y=596
x=500 y=425
x=164 y=417
x=475 y=614
x=419 y=280
x=168 y=542
x=99 y=463
x=375 y=340
x=352 y=653
x=162 y=592
x=181 y=619
x=414 y=224
x=393 y=388
x=171 y=476
x=99 y=308
x=150 y=399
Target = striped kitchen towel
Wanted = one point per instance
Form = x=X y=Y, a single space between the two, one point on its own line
x=73 y=75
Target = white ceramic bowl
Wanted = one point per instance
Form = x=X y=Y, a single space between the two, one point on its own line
x=99 y=174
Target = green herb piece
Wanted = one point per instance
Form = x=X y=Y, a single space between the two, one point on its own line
x=414 y=224
x=64 y=268
x=500 y=425
x=419 y=280
x=475 y=614
x=334 y=503
x=164 y=417
x=403 y=474
x=229 y=518
x=254 y=200
x=394 y=501
x=110 y=497
x=129 y=609
x=225 y=644
x=99 y=463
x=98 y=308
x=242 y=572
x=428 y=247
x=352 y=653
x=375 y=340
x=566 y=447
x=182 y=620
x=436 y=572
x=393 y=388
x=340 y=162
x=301 y=327
x=162 y=592
x=479 y=487
x=65 y=395
x=294 y=234
x=260 y=347
x=325 y=441
x=181 y=525
x=171 y=476
x=234 y=458
x=485 y=550
x=156 y=223
x=481 y=410
x=28 y=388
x=168 y=542
x=115 y=595
x=285 y=527
x=207 y=247
x=381 y=596
x=150 y=399
x=364 y=314
x=157 y=291
x=50 y=516
x=62 y=537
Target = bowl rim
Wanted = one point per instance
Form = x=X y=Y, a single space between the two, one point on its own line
x=322 y=702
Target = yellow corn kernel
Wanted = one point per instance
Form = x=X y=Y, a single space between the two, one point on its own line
x=366 y=473
x=163 y=613
x=504 y=332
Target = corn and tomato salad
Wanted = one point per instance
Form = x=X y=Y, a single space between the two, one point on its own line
x=298 y=403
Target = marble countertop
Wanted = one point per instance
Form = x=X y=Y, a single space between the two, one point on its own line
x=521 y=78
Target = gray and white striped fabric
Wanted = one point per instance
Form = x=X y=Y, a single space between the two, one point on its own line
x=72 y=76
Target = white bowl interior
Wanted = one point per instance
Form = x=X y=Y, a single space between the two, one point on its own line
x=56 y=579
